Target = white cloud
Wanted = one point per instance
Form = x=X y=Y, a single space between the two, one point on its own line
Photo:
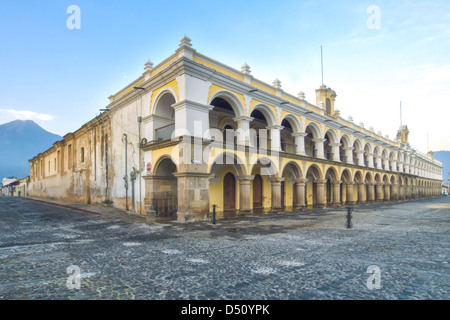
x=12 y=114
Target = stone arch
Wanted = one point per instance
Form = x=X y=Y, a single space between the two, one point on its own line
x=294 y=122
x=268 y=113
x=313 y=147
x=358 y=188
x=331 y=190
x=162 y=123
x=377 y=158
x=358 y=152
x=267 y=166
x=232 y=99
x=346 y=187
x=224 y=159
x=162 y=187
x=369 y=187
x=329 y=145
x=166 y=97
x=314 y=186
x=368 y=155
x=345 y=151
x=292 y=174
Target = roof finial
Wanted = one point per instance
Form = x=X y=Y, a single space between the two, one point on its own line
x=148 y=65
x=185 y=41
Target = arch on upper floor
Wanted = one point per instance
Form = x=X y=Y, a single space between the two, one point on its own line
x=162 y=103
x=315 y=130
x=231 y=99
x=269 y=115
x=293 y=121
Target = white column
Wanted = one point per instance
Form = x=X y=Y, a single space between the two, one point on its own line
x=243 y=131
x=393 y=164
x=191 y=118
x=275 y=144
x=370 y=160
x=360 y=158
x=386 y=164
x=318 y=145
x=379 y=165
x=400 y=167
x=335 y=151
x=300 y=143
x=349 y=154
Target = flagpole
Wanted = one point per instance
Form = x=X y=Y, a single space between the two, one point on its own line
x=321 y=62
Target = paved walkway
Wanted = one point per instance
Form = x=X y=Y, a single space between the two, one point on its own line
x=394 y=251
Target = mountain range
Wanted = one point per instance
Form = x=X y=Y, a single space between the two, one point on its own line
x=20 y=141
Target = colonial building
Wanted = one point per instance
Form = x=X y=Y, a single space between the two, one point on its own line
x=192 y=133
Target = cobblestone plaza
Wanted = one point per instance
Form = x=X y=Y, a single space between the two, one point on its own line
x=299 y=256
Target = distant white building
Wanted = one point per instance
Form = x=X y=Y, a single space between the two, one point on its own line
x=7 y=185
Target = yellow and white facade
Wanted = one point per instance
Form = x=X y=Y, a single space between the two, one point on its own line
x=196 y=134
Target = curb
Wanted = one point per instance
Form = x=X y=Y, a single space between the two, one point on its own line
x=68 y=207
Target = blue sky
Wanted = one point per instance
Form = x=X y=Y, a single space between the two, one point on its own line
x=60 y=78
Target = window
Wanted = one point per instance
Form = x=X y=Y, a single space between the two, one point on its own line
x=82 y=155
x=69 y=154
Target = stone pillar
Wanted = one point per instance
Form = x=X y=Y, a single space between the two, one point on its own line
x=320 y=193
x=400 y=166
x=370 y=163
x=245 y=205
x=378 y=163
x=335 y=150
x=401 y=193
x=360 y=158
x=379 y=187
x=193 y=195
x=336 y=193
x=243 y=130
x=393 y=165
x=300 y=143
x=299 y=189
x=387 y=192
x=348 y=154
x=394 y=191
x=371 y=195
x=361 y=193
x=191 y=118
x=386 y=164
x=275 y=142
x=318 y=145
x=349 y=198
x=276 y=194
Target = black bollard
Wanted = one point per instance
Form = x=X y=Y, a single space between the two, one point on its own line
x=214 y=213
x=349 y=217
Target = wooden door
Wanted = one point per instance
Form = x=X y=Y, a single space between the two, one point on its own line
x=257 y=192
x=229 y=192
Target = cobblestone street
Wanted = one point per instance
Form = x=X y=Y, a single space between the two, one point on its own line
x=309 y=255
